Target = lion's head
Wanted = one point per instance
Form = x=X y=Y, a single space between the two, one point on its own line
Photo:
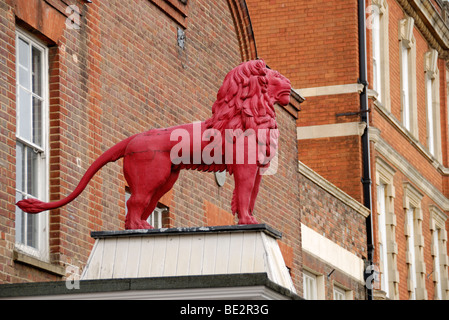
x=247 y=97
x=279 y=88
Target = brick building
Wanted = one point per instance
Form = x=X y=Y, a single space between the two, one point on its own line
x=375 y=124
x=94 y=73
x=85 y=77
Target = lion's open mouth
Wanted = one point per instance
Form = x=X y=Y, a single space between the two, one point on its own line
x=284 y=93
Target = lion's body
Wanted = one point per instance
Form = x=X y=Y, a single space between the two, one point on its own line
x=244 y=102
x=149 y=170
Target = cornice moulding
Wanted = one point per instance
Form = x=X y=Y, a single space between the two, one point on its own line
x=430 y=23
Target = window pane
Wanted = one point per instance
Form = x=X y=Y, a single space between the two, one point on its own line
x=376 y=52
x=411 y=248
x=339 y=294
x=27 y=181
x=37 y=71
x=19 y=166
x=19 y=221
x=382 y=237
x=24 y=77
x=24 y=118
x=127 y=196
x=27 y=170
x=310 y=290
x=430 y=115
x=405 y=88
x=157 y=219
x=32 y=230
x=37 y=121
x=26 y=226
x=32 y=177
x=375 y=76
x=24 y=63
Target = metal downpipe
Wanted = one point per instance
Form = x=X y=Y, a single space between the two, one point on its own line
x=364 y=115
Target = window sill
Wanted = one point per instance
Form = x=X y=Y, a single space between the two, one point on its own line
x=34 y=262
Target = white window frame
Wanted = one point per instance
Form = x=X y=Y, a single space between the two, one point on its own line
x=380 y=50
x=405 y=87
x=313 y=285
x=416 y=279
x=310 y=286
x=340 y=293
x=440 y=258
x=411 y=259
x=377 y=71
x=408 y=75
x=430 y=124
x=433 y=104
x=386 y=222
x=437 y=274
x=41 y=248
x=382 y=231
x=155 y=218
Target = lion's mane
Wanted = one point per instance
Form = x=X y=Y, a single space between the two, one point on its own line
x=242 y=101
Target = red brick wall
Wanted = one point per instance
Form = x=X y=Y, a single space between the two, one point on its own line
x=120 y=74
x=313 y=44
x=335 y=159
x=338 y=159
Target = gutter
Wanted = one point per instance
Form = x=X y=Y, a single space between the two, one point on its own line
x=366 y=154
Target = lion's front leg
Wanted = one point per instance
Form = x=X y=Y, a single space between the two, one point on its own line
x=254 y=194
x=245 y=178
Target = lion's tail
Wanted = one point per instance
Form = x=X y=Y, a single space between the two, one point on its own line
x=111 y=155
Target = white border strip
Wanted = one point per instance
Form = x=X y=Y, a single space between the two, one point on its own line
x=332 y=253
x=331 y=130
x=330 y=90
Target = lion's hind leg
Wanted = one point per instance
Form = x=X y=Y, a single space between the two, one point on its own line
x=136 y=202
x=163 y=189
x=145 y=172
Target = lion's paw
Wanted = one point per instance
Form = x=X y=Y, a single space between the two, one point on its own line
x=254 y=220
x=248 y=220
x=140 y=224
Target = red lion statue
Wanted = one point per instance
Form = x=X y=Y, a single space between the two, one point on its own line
x=240 y=137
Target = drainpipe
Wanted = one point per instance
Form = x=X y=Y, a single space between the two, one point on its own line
x=364 y=115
